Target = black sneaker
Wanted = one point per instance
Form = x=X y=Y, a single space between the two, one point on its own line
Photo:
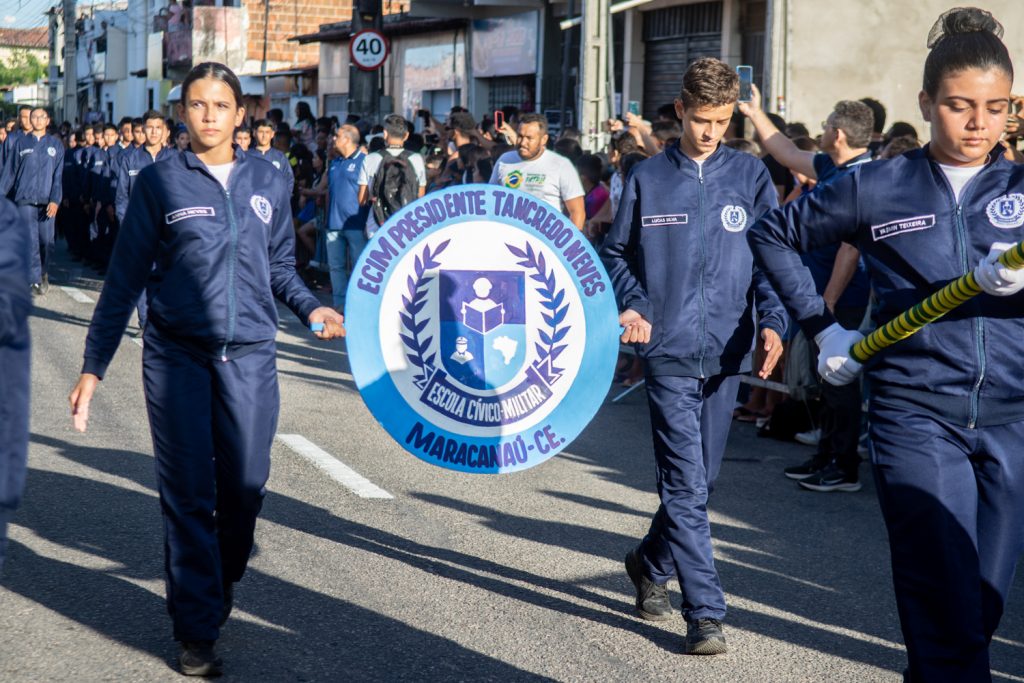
x=807 y=469
x=651 y=599
x=198 y=659
x=704 y=637
x=832 y=478
x=229 y=602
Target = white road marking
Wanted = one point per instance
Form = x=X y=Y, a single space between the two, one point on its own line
x=335 y=469
x=137 y=341
x=78 y=295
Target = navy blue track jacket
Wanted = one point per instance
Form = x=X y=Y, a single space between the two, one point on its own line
x=71 y=176
x=280 y=161
x=965 y=368
x=676 y=254
x=6 y=146
x=83 y=159
x=213 y=259
x=15 y=306
x=33 y=170
x=99 y=179
x=130 y=164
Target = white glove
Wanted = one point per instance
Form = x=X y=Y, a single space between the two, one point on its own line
x=834 y=363
x=996 y=279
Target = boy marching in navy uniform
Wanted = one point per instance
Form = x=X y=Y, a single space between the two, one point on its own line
x=134 y=159
x=131 y=163
x=15 y=305
x=32 y=180
x=263 y=131
x=685 y=281
x=217 y=225
x=947 y=404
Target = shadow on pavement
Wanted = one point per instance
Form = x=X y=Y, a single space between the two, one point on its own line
x=306 y=634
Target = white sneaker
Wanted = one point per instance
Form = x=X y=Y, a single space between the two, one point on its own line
x=809 y=438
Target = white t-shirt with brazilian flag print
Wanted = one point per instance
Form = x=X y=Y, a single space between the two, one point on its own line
x=550 y=177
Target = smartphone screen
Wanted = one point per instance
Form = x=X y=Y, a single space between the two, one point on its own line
x=634 y=107
x=746 y=74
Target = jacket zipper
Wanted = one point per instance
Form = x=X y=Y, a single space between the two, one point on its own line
x=703 y=264
x=232 y=257
x=979 y=324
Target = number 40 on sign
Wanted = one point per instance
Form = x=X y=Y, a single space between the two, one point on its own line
x=368 y=50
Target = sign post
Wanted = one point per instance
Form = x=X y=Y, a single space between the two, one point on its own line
x=364 y=83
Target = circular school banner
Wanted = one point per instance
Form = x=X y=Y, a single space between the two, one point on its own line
x=482 y=329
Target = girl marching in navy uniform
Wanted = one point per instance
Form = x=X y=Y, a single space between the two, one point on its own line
x=947 y=404
x=208 y=233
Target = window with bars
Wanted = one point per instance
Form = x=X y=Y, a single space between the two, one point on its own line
x=511 y=91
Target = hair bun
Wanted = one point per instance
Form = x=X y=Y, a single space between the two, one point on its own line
x=963 y=20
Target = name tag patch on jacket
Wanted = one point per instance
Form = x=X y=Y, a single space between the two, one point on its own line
x=190 y=212
x=898 y=227
x=667 y=219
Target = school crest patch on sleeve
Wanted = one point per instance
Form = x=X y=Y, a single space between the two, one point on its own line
x=261 y=205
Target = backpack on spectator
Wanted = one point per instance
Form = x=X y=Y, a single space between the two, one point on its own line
x=394 y=185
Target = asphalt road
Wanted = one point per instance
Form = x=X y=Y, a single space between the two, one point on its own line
x=456 y=577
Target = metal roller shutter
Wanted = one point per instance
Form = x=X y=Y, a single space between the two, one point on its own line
x=674 y=37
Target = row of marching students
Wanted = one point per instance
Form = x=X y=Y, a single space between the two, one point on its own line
x=98 y=179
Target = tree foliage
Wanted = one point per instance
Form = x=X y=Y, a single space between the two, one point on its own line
x=21 y=68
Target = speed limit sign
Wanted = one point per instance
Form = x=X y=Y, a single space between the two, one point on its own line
x=368 y=50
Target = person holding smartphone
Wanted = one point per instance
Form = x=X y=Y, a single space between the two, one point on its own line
x=947 y=404
x=216 y=222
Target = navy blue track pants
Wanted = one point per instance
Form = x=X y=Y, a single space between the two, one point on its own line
x=41 y=238
x=953 y=503
x=213 y=425
x=690 y=419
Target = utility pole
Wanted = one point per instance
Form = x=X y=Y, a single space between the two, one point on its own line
x=363 y=86
x=594 y=100
x=266 y=24
x=70 y=72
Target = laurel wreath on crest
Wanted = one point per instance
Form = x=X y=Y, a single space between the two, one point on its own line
x=415 y=301
x=552 y=299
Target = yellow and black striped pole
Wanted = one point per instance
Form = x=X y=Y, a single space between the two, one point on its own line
x=931 y=309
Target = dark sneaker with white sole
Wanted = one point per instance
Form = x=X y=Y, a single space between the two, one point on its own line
x=832 y=478
x=704 y=637
x=652 y=601
x=805 y=470
x=198 y=658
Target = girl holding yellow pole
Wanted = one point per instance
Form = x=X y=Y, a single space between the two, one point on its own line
x=947 y=406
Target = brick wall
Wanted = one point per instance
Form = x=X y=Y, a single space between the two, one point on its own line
x=290 y=18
